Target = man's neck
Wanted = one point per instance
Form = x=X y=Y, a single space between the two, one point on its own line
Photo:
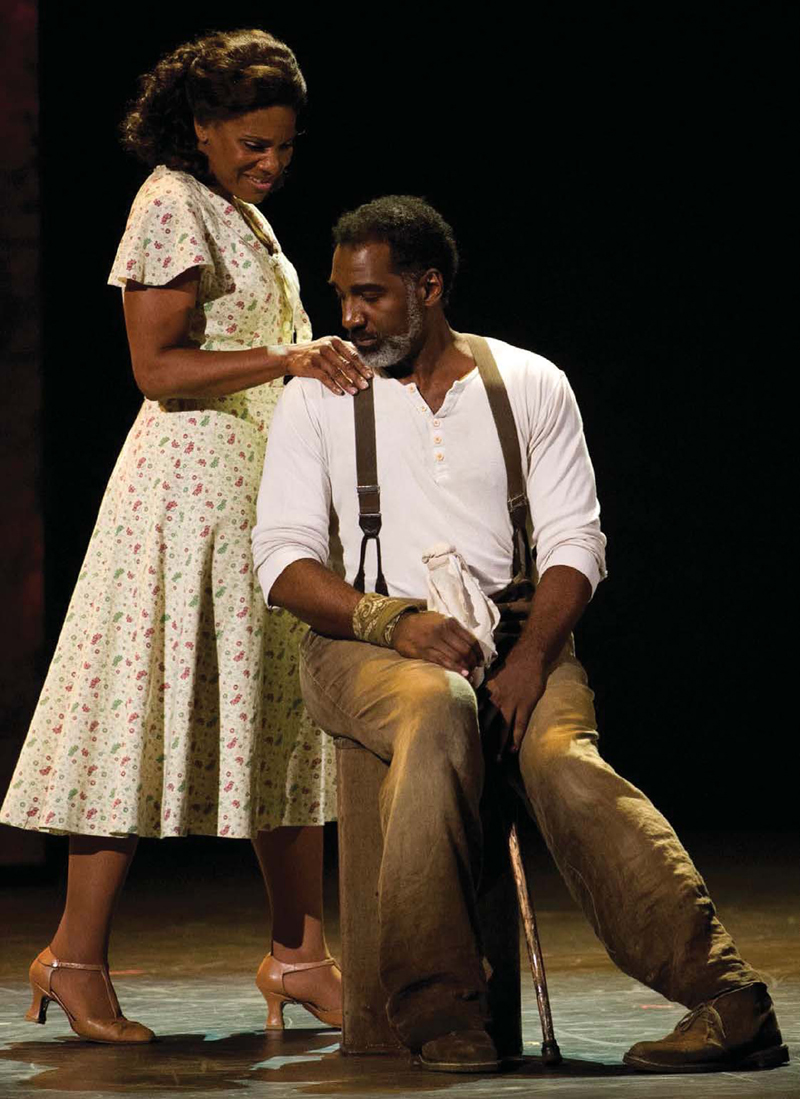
x=441 y=360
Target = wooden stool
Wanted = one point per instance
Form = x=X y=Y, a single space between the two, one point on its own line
x=365 y=1027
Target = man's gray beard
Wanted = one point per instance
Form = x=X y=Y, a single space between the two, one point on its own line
x=396 y=349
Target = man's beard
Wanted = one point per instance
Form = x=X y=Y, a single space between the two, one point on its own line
x=394 y=350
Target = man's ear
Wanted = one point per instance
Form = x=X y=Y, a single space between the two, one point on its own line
x=431 y=286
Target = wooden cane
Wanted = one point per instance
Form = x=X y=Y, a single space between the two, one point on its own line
x=551 y=1054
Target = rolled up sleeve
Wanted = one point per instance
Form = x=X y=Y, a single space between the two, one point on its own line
x=294 y=496
x=561 y=489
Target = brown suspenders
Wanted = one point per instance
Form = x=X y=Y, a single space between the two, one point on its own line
x=369 y=493
x=517 y=497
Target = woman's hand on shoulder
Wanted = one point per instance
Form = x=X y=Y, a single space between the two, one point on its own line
x=330 y=360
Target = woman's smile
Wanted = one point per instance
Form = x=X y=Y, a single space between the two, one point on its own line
x=249 y=153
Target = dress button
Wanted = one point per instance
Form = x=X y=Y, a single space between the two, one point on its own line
x=440 y=457
x=437 y=423
x=437 y=439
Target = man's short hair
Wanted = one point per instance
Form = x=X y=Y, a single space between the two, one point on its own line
x=418 y=235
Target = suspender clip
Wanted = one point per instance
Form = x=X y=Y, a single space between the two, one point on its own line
x=370 y=523
x=518 y=509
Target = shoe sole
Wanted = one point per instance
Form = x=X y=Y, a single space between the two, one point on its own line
x=458 y=1066
x=763 y=1058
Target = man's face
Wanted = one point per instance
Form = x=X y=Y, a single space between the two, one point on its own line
x=381 y=310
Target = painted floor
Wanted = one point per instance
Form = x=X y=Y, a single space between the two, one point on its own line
x=189 y=938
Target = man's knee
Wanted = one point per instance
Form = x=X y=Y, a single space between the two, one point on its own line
x=564 y=714
x=561 y=739
x=439 y=714
x=389 y=703
x=437 y=759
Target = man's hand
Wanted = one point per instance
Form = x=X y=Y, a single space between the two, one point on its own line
x=561 y=595
x=515 y=690
x=431 y=636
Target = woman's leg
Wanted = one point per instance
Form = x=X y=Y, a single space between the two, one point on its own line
x=98 y=866
x=291 y=862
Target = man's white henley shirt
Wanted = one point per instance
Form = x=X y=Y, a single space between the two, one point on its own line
x=441 y=476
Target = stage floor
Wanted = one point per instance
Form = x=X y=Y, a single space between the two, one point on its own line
x=190 y=935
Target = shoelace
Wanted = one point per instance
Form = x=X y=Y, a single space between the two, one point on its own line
x=695 y=1013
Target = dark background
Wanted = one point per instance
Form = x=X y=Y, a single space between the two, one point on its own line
x=617 y=176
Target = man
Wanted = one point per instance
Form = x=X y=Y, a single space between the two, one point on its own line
x=377 y=669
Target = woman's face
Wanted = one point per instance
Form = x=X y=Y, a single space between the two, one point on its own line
x=247 y=155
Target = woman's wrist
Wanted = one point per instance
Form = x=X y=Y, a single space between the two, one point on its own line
x=278 y=360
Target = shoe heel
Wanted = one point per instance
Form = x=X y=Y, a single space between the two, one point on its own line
x=37 y=1013
x=767 y=1058
x=275 y=1005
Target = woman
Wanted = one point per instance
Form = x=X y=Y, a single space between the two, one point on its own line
x=172 y=703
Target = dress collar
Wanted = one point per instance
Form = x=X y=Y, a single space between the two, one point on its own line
x=242 y=218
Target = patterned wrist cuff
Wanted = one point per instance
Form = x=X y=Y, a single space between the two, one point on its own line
x=376 y=616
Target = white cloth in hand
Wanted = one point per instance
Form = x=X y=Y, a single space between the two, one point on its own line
x=454 y=591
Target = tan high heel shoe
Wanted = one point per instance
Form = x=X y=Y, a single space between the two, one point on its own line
x=270 y=981
x=110 y=1031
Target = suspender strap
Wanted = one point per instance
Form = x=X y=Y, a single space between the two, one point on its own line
x=503 y=417
x=369 y=493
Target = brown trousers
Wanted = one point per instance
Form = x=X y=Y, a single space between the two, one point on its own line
x=620 y=858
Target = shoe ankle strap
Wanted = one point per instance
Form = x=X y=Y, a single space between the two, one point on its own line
x=296 y=967
x=56 y=963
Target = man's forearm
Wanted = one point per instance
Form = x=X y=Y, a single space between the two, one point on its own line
x=317 y=596
x=560 y=599
x=322 y=599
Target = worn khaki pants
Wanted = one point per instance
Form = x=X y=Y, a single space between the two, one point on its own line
x=620 y=858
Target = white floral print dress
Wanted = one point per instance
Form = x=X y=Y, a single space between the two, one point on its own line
x=172 y=704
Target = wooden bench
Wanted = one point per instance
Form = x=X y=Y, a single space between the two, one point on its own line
x=365 y=1026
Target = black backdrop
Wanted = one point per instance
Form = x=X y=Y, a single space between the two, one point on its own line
x=617 y=179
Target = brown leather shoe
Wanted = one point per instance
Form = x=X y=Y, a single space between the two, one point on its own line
x=270 y=980
x=460 y=1051
x=116 y=1029
x=736 y=1030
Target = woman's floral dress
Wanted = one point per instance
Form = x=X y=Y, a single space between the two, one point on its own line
x=172 y=704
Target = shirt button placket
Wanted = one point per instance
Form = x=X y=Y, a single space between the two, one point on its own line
x=438 y=440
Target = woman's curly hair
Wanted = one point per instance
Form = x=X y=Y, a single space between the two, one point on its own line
x=220 y=75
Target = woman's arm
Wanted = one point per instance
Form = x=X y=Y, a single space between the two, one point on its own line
x=166 y=365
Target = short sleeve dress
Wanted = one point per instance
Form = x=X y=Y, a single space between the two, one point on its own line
x=172 y=704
